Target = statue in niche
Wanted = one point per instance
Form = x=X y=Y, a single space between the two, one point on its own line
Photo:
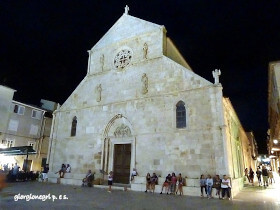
x=145 y=50
x=99 y=90
x=216 y=74
x=144 y=83
x=122 y=131
x=102 y=62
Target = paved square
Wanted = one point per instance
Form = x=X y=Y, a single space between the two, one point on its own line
x=96 y=198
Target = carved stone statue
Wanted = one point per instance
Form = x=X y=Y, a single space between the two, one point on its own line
x=145 y=50
x=126 y=9
x=102 y=62
x=216 y=74
x=122 y=131
x=99 y=90
x=144 y=81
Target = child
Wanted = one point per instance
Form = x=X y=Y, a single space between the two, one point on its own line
x=110 y=181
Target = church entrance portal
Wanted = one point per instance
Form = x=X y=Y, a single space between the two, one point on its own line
x=122 y=157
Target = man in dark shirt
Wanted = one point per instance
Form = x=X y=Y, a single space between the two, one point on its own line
x=265 y=176
x=45 y=172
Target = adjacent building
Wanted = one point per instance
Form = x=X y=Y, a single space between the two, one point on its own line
x=24 y=125
x=142 y=106
x=273 y=141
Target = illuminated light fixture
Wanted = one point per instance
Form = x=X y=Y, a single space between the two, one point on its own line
x=272 y=156
x=266 y=160
x=275 y=141
x=272 y=152
x=275 y=149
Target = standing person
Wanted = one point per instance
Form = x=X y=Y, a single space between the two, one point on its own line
x=166 y=184
x=270 y=175
x=180 y=184
x=154 y=180
x=265 y=176
x=247 y=174
x=173 y=183
x=217 y=185
x=202 y=182
x=110 y=181
x=225 y=185
x=209 y=185
x=15 y=171
x=148 y=182
x=259 y=176
x=251 y=175
x=45 y=172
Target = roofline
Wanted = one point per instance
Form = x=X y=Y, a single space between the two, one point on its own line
x=8 y=88
x=33 y=107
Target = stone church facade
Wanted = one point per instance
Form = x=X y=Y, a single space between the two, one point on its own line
x=141 y=106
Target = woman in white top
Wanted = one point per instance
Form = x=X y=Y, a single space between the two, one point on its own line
x=225 y=185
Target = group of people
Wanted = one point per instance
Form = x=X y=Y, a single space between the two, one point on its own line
x=64 y=169
x=264 y=174
x=172 y=183
x=221 y=185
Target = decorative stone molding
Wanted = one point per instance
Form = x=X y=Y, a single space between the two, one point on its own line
x=122 y=131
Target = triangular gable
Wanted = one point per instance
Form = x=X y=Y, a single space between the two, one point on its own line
x=126 y=27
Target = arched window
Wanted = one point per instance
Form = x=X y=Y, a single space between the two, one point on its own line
x=74 y=126
x=180 y=115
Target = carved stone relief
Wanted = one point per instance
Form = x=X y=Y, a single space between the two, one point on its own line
x=122 y=131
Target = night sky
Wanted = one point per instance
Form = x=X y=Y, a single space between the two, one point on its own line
x=43 y=46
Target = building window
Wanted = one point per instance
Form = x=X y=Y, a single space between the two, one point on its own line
x=74 y=126
x=36 y=114
x=19 y=109
x=180 y=115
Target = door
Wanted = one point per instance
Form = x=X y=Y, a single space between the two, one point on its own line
x=122 y=157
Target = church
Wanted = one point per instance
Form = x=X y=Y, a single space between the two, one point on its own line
x=141 y=106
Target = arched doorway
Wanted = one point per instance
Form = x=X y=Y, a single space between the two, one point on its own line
x=118 y=153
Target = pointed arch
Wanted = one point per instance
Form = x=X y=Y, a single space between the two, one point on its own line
x=181 y=115
x=74 y=126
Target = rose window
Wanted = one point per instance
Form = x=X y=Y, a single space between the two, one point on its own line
x=122 y=59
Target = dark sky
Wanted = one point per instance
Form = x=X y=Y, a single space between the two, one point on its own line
x=43 y=45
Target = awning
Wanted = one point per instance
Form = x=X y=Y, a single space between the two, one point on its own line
x=11 y=151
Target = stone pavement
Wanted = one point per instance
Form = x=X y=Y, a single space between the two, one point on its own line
x=96 y=198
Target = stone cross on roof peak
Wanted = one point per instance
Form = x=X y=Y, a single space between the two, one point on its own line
x=126 y=9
